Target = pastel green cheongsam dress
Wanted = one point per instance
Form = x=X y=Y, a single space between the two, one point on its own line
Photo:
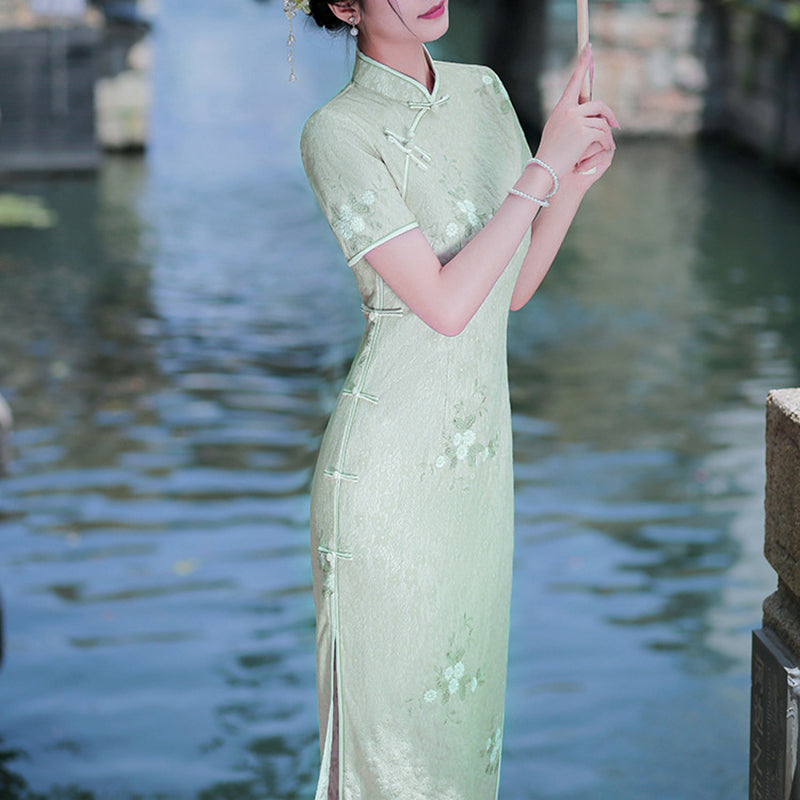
x=412 y=515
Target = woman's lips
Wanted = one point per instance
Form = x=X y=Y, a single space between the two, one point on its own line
x=434 y=12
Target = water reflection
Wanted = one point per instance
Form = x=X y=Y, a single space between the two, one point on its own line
x=172 y=350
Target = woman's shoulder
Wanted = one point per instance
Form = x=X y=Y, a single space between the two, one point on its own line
x=335 y=118
x=479 y=79
x=471 y=72
x=334 y=110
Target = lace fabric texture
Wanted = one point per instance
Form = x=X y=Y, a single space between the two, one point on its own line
x=412 y=515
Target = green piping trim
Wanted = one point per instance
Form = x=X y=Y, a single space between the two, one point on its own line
x=353 y=260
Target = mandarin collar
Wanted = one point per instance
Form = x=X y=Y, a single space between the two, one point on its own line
x=385 y=80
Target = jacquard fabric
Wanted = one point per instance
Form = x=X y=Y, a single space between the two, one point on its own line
x=412 y=513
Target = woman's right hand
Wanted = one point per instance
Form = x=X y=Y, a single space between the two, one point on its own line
x=573 y=127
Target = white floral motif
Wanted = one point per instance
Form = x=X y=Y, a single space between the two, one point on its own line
x=349 y=223
x=452 y=680
x=326 y=565
x=350 y=218
x=467 y=216
x=468 y=207
x=493 y=746
x=462 y=444
x=494 y=90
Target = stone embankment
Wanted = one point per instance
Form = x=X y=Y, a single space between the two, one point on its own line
x=688 y=67
x=648 y=67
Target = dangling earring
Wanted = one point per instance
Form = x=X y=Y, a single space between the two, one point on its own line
x=353 y=29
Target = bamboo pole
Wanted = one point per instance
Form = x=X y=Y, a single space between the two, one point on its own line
x=583 y=38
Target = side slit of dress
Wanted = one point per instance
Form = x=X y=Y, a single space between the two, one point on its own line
x=331 y=776
x=331 y=771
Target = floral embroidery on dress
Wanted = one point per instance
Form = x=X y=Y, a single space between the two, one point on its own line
x=461 y=443
x=467 y=210
x=349 y=219
x=326 y=565
x=452 y=680
x=466 y=213
x=492 y=88
x=493 y=748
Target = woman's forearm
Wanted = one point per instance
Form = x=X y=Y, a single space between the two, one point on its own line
x=447 y=296
x=465 y=278
x=547 y=234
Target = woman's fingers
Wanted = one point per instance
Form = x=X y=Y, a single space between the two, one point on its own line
x=572 y=91
x=594 y=159
x=599 y=159
x=600 y=125
x=591 y=150
x=594 y=108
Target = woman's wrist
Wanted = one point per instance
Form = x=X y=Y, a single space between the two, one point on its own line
x=544 y=165
x=536 y=181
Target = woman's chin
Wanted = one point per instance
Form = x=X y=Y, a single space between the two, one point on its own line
x=437 y=34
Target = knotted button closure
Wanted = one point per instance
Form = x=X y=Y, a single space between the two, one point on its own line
x=374 y=313
x=405 y=143
x=427 y=104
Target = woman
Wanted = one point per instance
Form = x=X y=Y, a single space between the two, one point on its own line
x=426 y=179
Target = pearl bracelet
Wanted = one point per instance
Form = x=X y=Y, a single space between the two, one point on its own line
x=552 y=173
x=543 y=203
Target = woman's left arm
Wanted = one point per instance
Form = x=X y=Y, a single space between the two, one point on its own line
x=551 y=224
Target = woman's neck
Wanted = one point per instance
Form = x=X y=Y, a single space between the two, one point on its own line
x=410 y=59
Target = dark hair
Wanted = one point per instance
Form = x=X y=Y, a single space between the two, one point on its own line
x=325 y=18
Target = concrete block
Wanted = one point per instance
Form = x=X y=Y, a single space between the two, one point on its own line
x=781 y=614
x=782 y=496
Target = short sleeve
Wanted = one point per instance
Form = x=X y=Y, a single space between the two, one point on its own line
x=353 y=186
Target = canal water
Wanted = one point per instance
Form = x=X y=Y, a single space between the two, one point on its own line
x=172 y=348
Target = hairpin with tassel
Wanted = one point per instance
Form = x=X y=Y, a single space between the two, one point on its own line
x=291 y=7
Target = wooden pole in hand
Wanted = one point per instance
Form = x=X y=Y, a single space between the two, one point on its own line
x=583 y=38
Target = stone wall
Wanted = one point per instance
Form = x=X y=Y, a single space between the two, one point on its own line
x=47 y=76
x=782 y=515
x=752 y=57
x=686 y=67
x=775 y=670
x=648 y=66
x=74 y=80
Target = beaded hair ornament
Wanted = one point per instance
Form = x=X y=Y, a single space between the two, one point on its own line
x=291 y=7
